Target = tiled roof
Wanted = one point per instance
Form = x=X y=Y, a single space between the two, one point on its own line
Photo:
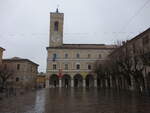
x=19 y=59
x=129 y=41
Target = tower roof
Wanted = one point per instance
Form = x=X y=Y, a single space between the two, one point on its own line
x=57 y=10
x=18 y=59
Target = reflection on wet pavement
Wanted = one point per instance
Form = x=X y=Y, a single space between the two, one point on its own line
x=76 y=101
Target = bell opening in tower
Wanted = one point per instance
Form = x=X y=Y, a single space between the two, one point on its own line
x=56 y=24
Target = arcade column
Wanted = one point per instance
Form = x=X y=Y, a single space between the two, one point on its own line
x=47 y=82
x=60 y=82
x=84 y=85
x=72 y=83
x=95 y=82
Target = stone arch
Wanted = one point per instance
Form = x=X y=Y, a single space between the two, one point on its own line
x=89 y=80
x=98 y=81
x=66 y=81
x=54 y=80
x=101 y=81
x=78 y=80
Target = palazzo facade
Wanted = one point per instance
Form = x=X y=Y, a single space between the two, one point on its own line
x=71 y=65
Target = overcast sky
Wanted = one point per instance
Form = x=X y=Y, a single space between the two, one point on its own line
x=24 y=24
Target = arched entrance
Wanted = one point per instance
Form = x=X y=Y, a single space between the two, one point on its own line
x=54 y=80
x=89 y=80
x=78 y=80
x=66 y=81
x=98 y=82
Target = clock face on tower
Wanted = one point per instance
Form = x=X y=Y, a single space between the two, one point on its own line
x=55 y=39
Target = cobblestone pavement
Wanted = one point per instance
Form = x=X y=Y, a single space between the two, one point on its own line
x=76 y=101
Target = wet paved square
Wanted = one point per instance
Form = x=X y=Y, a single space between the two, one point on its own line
x=76 y=101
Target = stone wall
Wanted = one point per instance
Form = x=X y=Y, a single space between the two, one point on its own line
x=24 y=72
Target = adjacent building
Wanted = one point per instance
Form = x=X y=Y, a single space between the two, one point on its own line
x=1 y=54
x=24 y=72
x=70 y=65
x=41 y=80
x=138 y=50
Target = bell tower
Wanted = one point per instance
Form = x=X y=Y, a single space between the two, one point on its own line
x=56 y=29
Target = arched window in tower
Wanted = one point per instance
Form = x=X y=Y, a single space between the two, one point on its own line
x=56 y=24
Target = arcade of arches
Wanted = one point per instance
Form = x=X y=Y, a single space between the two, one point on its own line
x=76 y=81
x=91 y=80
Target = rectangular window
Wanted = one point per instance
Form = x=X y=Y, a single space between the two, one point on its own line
x=17 y=79
x=5 y=66
x=18 y=66
x=89 y=67
x=145 y=40
x=89 y=56
x=78 y=55
x=100 y=56
x=54 y=56
x=54 y=67
x=66 y=66
x=66 y=55
x=134 y=48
